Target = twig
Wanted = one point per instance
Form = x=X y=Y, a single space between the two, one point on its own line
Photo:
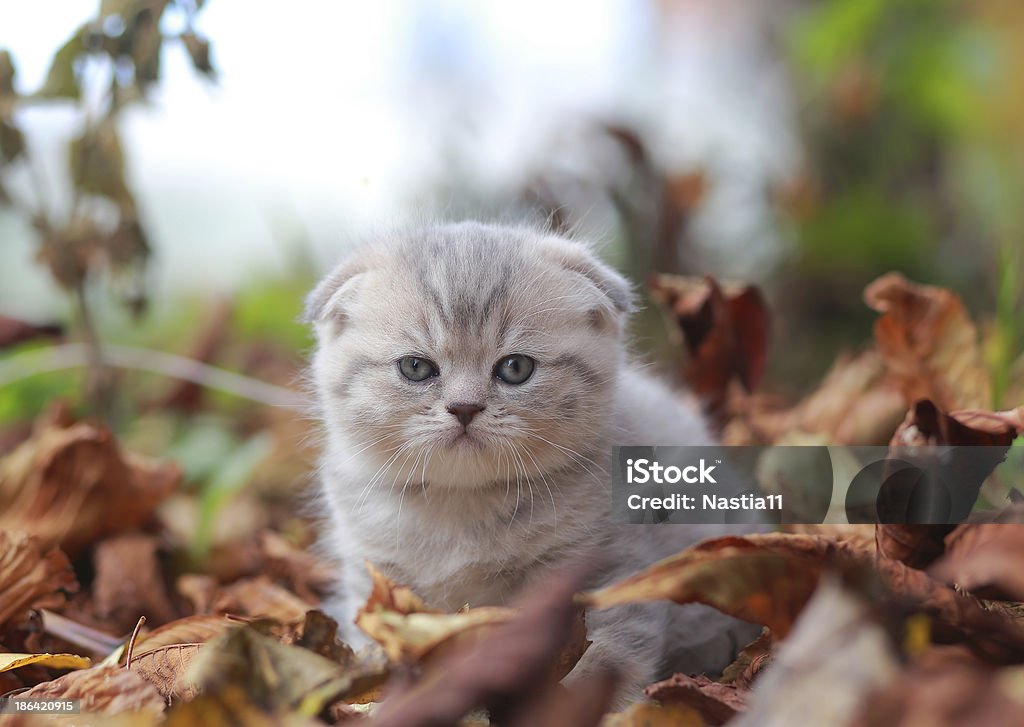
x=76 y=355
x=131 y=643
x=78 y=634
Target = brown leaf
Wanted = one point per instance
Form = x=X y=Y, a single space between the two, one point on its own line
x=754 y=657
x=768 y=578
x=985 y=560
x=261 y=598
x=129 y=582
x=390 y=596
x=839 y=650
x=166 y=668
x=946 y=687
x=726 y=333
x=929 y=343
x=31 y=577
x=855 y=404
x=926 y=425
x=504 y=671
x=646 y=714
x=716 y=703
x=72 y=485
x=188 y=630
x=102 y=690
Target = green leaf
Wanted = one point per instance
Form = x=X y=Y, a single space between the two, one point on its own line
x=61 y=79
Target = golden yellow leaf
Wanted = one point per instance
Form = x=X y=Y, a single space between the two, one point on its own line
x=51 y=661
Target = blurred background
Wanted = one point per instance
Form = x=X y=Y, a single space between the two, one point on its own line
x=175 y=174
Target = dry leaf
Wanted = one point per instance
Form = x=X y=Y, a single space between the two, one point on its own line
x=261 y=598
x=724 y=573
x=104 y=690
x=716 y=703
x=754 y=657
x=29 y=577
x=855 y=404
x=188 y=630
x=506 y=670
x=726 y=333
x=926 y=425
x=166 y=668
x=129 y=583
x=273 y=675
x=410 y=638
x=50 y=661
x=985 y=560
x=929 y=343
x=947 y=688
x=230 y=707
x=71 y=485
x=835 y=655
x=646 y=714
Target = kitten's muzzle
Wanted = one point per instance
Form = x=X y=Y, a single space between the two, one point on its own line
x=465 y=412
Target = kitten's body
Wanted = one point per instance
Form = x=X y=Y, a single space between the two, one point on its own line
x=473 y=513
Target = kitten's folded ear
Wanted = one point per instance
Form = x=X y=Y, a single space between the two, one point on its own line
x=578 y=258
x=327 y=304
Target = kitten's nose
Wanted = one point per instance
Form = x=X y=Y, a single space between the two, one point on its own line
x=465 y=412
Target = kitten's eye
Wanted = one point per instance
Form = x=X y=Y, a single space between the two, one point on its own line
x=514 y=369
x=417 y=369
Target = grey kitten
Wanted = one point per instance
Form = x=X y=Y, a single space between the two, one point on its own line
x=472 y=380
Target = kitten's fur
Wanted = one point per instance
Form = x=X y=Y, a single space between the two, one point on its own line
x=525 y=489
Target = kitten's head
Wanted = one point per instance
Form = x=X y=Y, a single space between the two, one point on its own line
x=464 y=355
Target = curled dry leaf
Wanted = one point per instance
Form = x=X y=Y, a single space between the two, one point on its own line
x=307 y=575
x=129 y=582
x=70 y=484
x=716 y=703
x=50 y=661
x=929 y=343
x=412 y=637
x=924 y=425
x=104 y=690
x=855 y=404
x=504 y=671
x=390 y=596
x=748 y=577
x=985 y=560
x=726 y=332
x=31 y=577
x=754 y=657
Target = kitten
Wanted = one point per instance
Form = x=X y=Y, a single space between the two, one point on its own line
x=472 y=380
